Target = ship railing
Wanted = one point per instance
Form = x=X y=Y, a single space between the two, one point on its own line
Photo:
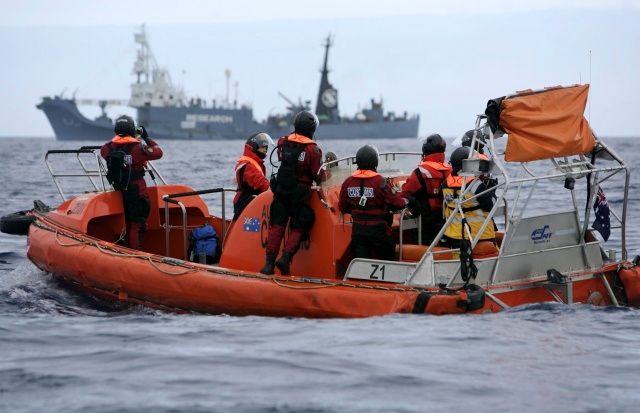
x=172 y=199
x=521 y=187
x=390 y=165
x=408 y=223
x=97 y=177
x=568 y=169
x=149 y=167
x=86 y=171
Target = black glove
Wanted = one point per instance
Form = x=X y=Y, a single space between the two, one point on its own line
x=143 y=133
x=413 y=206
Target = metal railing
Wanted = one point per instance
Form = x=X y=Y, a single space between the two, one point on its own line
x=90 y=174
x=171 y=199
x=401 y=229
x=99 y=172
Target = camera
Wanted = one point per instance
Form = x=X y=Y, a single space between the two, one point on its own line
x=139 y=130
x=491 y=182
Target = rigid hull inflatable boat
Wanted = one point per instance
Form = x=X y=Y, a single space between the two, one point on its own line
x=556 y=256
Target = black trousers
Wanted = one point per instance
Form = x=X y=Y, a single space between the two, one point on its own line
x=299 y=211
x=372 y=241
x=136 y=207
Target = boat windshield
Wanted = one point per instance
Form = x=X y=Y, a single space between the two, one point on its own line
x=390 y=165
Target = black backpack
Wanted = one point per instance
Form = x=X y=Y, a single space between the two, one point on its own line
x=286 y=180
x=119 y=166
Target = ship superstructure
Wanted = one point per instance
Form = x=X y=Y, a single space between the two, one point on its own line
x=169 y=114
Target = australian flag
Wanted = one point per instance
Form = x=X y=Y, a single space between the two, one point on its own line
x=602 y=223
x=251 y=225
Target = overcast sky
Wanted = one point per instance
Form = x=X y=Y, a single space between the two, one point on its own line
x=441 y=59
x=131 y=12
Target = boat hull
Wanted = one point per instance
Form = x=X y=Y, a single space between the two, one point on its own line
x=198 y=123
x=120 y=274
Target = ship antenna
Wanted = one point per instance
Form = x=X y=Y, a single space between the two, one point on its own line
x=227 y=74
x=235 y=96
x=589 y=84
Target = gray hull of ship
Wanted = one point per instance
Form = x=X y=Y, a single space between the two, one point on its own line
x=208 y=124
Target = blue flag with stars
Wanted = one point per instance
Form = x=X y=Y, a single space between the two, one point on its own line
x=251 y=225
x=602 y=223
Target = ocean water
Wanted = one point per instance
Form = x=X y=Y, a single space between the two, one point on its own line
x=61 y=351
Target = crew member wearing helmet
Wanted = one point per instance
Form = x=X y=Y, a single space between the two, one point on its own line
x=250 y=172
x=127 y=155
x=367 y=197
x=475 y=210
x=467 y=138
x=425 y=183
x=300 y=160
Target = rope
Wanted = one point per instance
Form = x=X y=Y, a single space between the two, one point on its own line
x=154 y=265
x=66 y=245
x=299 y=287
x=115 y=253
x=319 y=283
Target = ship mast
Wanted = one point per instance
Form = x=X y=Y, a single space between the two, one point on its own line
x=327 y=102
x=153 y=86
x=143 y=56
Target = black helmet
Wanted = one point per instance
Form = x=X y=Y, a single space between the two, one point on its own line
x=433 y=144
x=305 y=123
x=367 y=157
x=257 y=141
x=468 y=137
x=125 y=126
x=456 y=158
x=330 y=157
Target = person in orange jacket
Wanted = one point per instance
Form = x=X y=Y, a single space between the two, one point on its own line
x=250 y=172
x=127 y=155
x=368 y=198
x=424 y=184
x=301 y=159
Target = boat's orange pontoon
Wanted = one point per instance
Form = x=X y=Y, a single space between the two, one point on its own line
x=554 y=256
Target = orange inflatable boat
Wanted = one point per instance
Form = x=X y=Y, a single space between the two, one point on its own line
x=536 y=258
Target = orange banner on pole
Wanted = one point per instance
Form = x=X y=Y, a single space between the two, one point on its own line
x=546 y=124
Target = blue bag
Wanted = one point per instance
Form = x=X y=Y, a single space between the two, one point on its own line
x=204 y=241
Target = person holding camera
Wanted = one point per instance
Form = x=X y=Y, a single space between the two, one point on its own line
x=126 y=156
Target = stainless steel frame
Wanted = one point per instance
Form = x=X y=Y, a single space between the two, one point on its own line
x=90 y=174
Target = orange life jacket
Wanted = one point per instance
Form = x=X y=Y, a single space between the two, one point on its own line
x=431 y=195
x=364 y=173
x=294 y=137
x=630 y=278
x=123 y=140
x=242 y=161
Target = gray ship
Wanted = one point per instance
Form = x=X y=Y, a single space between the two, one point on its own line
x=168 y=114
